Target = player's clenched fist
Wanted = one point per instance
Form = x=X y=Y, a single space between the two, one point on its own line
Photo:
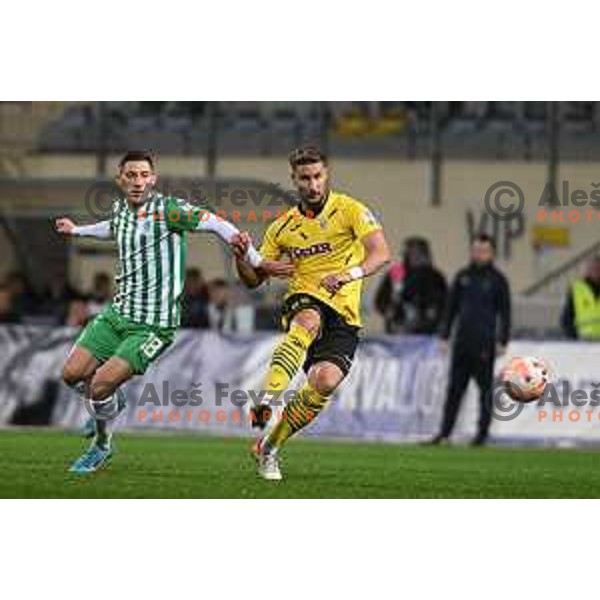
x=241 y=243
x=65 y=226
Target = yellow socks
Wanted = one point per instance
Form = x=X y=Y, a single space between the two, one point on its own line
x=300 y=412
x=287 y=359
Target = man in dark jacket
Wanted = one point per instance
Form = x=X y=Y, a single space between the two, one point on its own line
x=412 y=296
x=479 y=309
x=581 y=315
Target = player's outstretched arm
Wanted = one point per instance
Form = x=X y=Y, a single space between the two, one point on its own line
x=186 y=217
x=231 y=235
x=99 y=230
x=249 y=276
x=252 y=276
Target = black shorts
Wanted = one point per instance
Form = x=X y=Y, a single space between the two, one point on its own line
x=336 y=342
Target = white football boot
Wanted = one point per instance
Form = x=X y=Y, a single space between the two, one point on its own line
x=267 y=463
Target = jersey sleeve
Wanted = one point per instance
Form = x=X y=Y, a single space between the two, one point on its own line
x=270 y=249
x=102 y=230
x=180 y=215
x=361 y=220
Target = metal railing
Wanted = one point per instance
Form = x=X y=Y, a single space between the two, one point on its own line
x=558 y=279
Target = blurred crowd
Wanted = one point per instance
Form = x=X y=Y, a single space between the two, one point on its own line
x=214 y=304
x=58 y=304
x=222 y=306
x=411 y=297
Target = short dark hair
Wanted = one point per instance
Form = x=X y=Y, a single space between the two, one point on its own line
x=218 y=284
x=193 y=272
x=307 y=155
x=484 y=238
x=137 y=156
x=101 y=276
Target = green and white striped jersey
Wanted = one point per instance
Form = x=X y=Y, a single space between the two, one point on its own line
x=152 y=248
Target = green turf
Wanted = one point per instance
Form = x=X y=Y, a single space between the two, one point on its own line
x=34 y=464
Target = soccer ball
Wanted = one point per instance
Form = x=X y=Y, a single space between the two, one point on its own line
x=525 y=378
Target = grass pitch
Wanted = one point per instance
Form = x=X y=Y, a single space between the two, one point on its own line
x=34 y=465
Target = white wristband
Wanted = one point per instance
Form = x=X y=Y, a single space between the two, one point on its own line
x=356 y=273
x=254 y=257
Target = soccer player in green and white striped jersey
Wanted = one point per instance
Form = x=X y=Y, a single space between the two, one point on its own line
x=139 y=325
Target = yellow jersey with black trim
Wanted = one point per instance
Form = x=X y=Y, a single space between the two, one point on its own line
x=321 y=245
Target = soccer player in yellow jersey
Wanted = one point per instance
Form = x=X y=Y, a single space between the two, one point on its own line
x=334 y=242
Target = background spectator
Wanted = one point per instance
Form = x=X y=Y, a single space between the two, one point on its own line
x=581 y=314
x=101 y=294
x=25 y=301
x=220 y=316
x=194 y=303
x=412 y=295
x=480 y=309
x=228 y=308
x=57 y=298
x=78 y=313
x=7 y=312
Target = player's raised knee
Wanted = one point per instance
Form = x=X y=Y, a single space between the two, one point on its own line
x=72 y=375
x=309 y=319
x=79 y=366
